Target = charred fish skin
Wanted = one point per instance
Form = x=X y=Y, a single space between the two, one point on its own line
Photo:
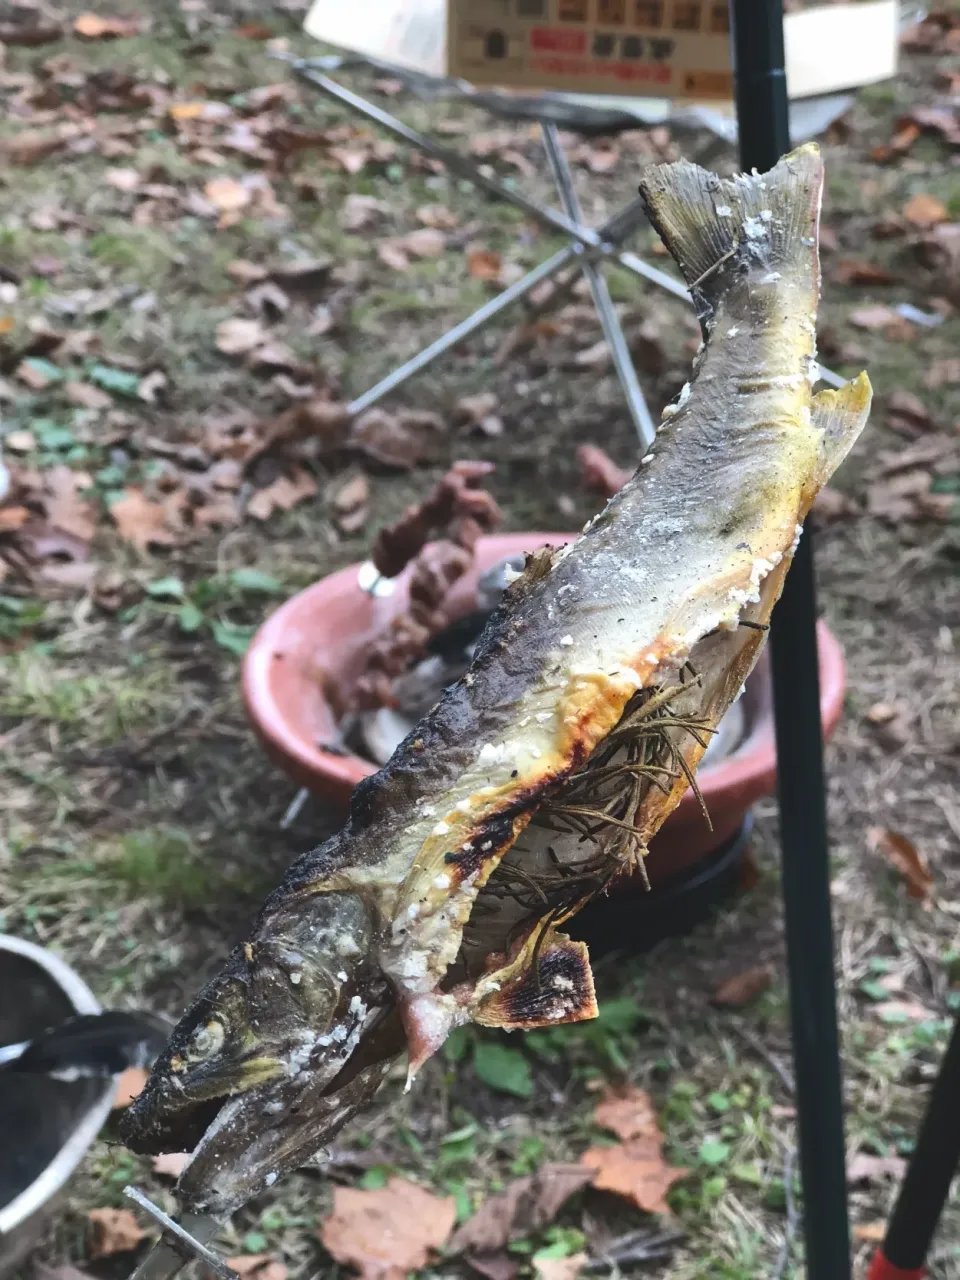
x=297 y=1033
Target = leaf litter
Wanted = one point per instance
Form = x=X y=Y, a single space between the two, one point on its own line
x=905 y=858
x=113 y=1231
x=387 y=1232
x=634 y=1168
x=526 y=1206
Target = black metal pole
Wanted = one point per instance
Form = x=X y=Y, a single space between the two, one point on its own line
x=763 y=121
x=930 y=1172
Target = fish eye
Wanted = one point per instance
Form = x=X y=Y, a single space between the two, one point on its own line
x=209 y=1038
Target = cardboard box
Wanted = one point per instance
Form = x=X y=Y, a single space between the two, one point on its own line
x=660 y=48
x=678 y=49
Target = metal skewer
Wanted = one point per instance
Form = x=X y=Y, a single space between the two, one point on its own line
x=180 y=1243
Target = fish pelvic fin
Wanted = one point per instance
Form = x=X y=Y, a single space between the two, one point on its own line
x=708 y=223
x=841 y=415
x=549 y=981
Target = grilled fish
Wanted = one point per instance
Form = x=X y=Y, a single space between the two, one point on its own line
x=545 y=770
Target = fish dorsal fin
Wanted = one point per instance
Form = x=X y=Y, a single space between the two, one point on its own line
x=706 y=221
x=841 y=416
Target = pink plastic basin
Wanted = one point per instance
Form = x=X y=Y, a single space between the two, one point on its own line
x=311 y=650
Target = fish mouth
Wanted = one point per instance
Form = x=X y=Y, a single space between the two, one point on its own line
x=253 y=1098
x=297 y=1013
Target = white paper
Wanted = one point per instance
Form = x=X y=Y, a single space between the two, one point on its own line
x=408 y=33
x=840 y=46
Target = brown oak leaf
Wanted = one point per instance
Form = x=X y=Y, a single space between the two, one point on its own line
x=388 y=1232
x=634 y=1168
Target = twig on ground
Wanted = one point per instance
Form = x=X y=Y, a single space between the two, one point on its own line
x=642 y=1245
x=761 y=1050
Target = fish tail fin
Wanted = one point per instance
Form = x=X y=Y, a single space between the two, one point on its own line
x=707 y=222
x=841 y=416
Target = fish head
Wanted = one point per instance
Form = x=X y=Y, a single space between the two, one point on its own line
x=295 y=1032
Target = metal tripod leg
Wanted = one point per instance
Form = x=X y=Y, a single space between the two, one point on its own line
x=595 y=240
x=622 y=360
x=615 y=228
x=463 y=330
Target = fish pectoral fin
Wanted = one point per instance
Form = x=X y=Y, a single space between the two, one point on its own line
x=841 y=416
x=542 y=986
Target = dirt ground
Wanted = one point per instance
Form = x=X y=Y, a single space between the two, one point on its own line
x=155 y=190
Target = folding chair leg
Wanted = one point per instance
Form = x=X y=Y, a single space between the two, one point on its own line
x=622 y=360
x=463 y=330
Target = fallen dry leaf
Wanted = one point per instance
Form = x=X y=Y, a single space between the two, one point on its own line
x=902 y=1011
x=526 y=1205
x=925 y=211
x=860 y=271
x=93 y=26
x=832 y=504
x=907 y=413
x=877 y=316
x=628 y=1113
x=559 y=1268
x=29 y=34
x=870 y=1232
x=132 y=1082
x=358 y=212
x=904 y=856
x=350 y=504
x=893 y=721
x=480 y=411
x=283 y=494
x=72 y=576
x=203 y=110
x=485 y=264
x=235 y=337
x=62 y=1272
x=437 y=216
x=44 y=264
x=388 y=1232
x=493 y=1266
x=246 y=272
x=275 y=355
x=599 y=472
x=114 y=1231
x=64 y=507
x=385 y=438
x=596 y=356
x=141 y=521
x=123 y=179
x=20 y=441
x=171 y=1164
x=635 y=1168
x=33 y=377
x=601 y=158
x=868 y=1168
x=227 y=194
x=881 y=713
x=426 y=242
x=943 y=373
x=151 y=385
x=87 y=396
x=743 y=987
x=258 y=1266
x=13 y=518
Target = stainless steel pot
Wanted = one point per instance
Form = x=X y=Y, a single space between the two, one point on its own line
x=46 y=1125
